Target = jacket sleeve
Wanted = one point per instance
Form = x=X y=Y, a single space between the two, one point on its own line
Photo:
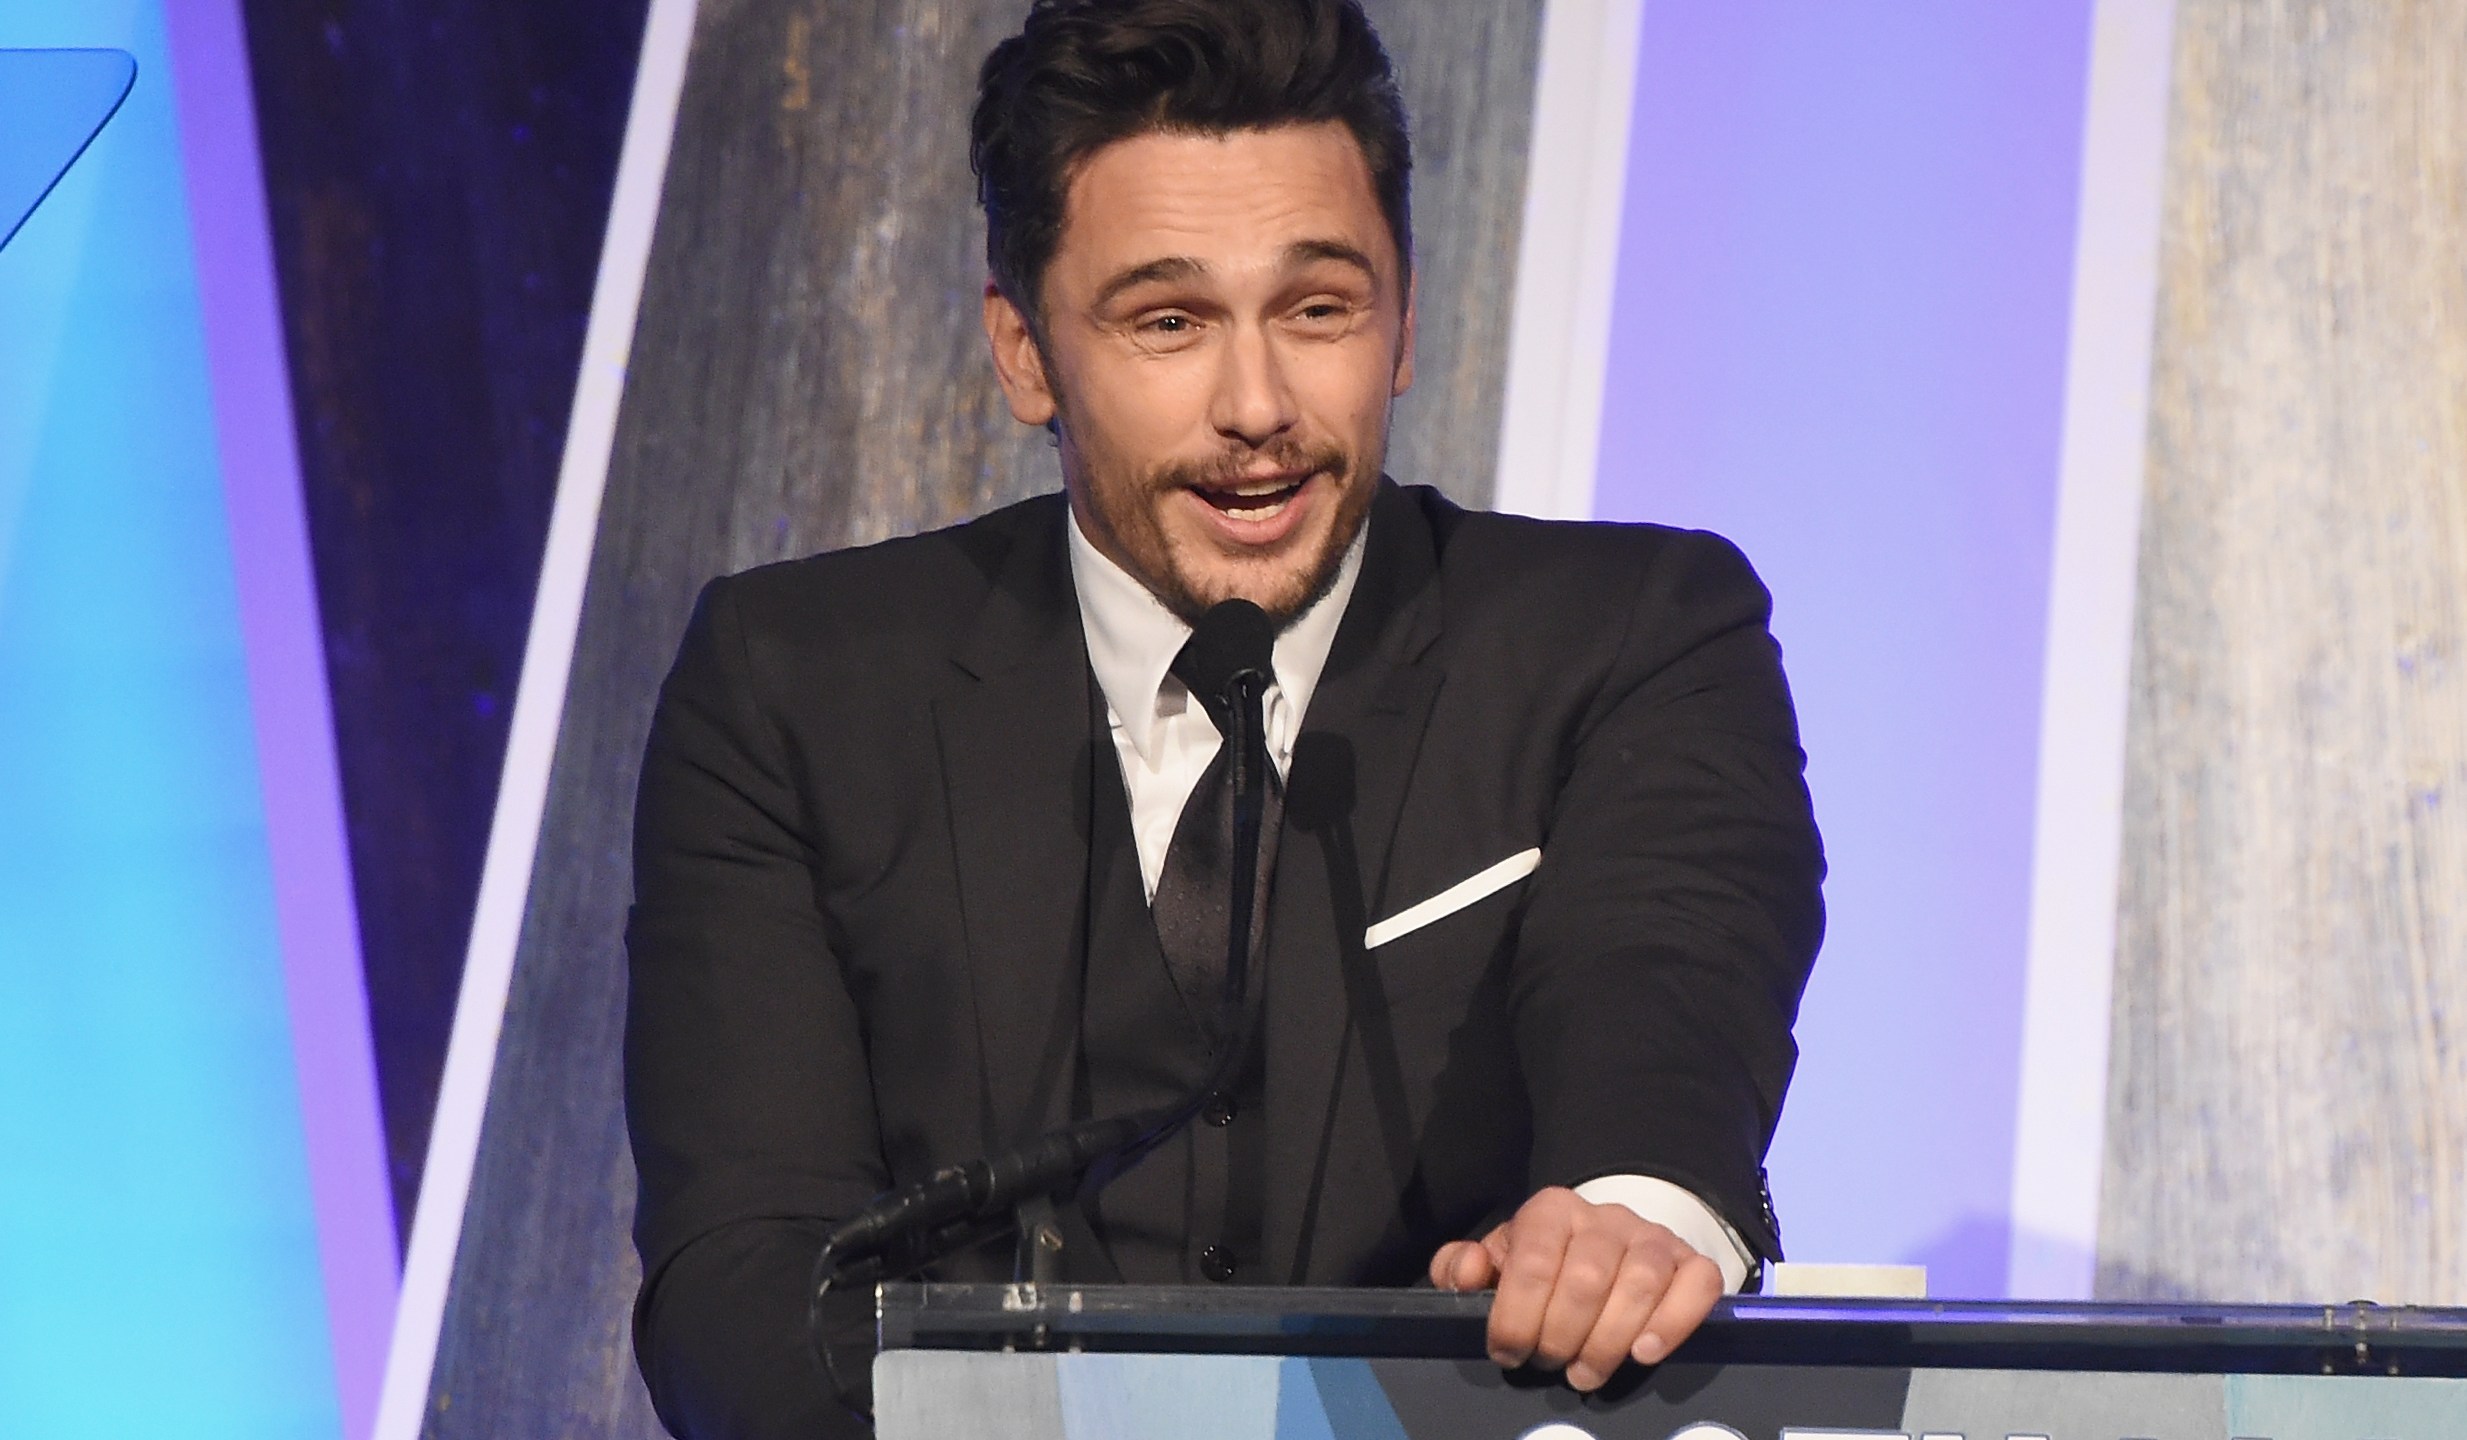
x=1677 y=909
x=746 y=1088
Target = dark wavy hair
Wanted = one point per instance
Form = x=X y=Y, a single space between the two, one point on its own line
x=1082 y=74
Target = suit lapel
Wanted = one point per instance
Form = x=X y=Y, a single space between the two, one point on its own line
x=1016 y=747
x=1352 y=766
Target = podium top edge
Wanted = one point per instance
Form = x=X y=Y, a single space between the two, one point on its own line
x=1962 y=1334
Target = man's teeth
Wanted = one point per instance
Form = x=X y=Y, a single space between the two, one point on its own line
x=1265 y=498
x=1257 y=500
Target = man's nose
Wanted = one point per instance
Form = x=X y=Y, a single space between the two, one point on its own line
x=1254 y=400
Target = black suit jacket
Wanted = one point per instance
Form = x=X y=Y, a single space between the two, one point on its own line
x=860 y=858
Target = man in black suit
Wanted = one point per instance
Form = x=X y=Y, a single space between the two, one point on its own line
x=912 y=853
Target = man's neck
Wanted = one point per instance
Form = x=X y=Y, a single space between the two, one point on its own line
x=1132 y=637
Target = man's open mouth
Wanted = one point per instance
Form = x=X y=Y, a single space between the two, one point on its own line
x=1254 y=500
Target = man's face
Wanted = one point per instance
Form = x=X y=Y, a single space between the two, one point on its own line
x=1226 y=323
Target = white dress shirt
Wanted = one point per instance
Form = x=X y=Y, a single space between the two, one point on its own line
x=1168 y=742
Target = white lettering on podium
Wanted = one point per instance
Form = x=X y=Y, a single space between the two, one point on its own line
x=1802 y=1432
x=1713 y=1430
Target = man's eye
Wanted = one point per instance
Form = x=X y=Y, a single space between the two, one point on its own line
x=1170 y=324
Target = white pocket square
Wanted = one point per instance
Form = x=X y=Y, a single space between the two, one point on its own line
x=1477 y=886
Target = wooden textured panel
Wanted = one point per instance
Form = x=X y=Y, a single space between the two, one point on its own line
x=809 y=373
x=2288 y=1106
x=1467 y=70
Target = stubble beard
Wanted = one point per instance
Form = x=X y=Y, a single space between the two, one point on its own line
x=1299 y=587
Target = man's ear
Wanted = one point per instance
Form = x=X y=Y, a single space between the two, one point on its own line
x=1404 y=339
x=1018 y=364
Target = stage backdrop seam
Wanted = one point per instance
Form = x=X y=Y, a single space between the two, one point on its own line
x=1568 y=258
x=2062 y=1104
x=539 y=704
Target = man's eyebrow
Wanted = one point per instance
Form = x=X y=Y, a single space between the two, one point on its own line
x=1171 y=267
x=1303 y=252
x=1183 y=267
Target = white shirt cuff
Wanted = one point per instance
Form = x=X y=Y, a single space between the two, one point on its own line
x=1679 y=1211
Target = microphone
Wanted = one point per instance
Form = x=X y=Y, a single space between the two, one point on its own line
x=956 y=1195
x=911 y=1227
x=1233 y=641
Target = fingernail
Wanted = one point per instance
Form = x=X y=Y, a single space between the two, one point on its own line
x=1650 y=1349
x=1506 y=1359
x=1582 y=1377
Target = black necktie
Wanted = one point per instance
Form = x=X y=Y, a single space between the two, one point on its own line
x=1193 y=905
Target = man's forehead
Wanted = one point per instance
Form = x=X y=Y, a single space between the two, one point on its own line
x=1181 y=204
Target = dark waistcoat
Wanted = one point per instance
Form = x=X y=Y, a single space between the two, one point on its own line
x=1191 y=1212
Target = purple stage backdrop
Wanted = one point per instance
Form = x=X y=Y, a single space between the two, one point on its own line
x=1839 y=339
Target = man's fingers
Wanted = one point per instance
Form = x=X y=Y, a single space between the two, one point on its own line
x=1683 y=1307
x=1643 y=1277
x=1463 y=1265
x=1584 y=1287
x=1535 y=1246
x=1588 y=1271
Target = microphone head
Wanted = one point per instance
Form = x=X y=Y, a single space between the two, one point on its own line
x=1233 y=637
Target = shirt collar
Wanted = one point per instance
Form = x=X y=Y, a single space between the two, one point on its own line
x=1133 y=638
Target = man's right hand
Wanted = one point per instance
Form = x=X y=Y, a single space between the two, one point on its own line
x=1582 y=1286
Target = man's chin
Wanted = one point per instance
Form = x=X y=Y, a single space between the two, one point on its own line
x=1282 y=602
x=1284 y=587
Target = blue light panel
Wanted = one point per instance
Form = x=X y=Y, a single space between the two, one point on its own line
x=158 y=1249
x=51 y=103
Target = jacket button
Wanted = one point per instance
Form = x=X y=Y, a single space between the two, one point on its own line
x=1217 y=1263
x=1219 y=1110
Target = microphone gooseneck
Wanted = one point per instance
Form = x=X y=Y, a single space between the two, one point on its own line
x=1232 y=657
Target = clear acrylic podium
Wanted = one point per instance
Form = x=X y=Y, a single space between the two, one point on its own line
x=1141 y=1363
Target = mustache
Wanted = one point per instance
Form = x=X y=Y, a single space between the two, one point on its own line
x=1230 y=468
